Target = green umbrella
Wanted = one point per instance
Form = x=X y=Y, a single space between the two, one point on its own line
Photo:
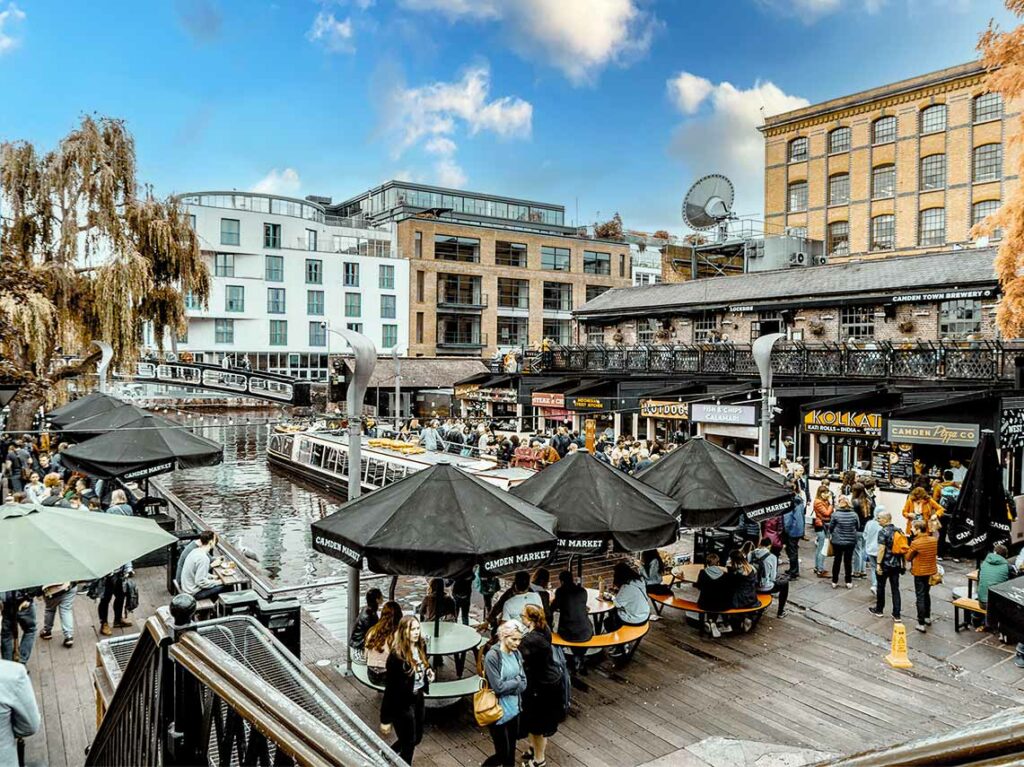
x=40 y=545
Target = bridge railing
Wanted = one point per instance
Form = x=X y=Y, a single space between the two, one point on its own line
x=232 y=380
x=972 y=361
x=226 y=692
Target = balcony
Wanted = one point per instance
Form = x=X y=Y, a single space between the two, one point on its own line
x=459 y=302
x=466 y=343
x=977 y=361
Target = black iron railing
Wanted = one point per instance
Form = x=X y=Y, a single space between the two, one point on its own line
x=974 y=361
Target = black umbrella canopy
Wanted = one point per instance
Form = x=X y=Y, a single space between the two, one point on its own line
x=146 y=446
x=83 y=407
x=983 y=512
x=101 y=423
x=439 y=523
x=595 y=503
x=713 y=486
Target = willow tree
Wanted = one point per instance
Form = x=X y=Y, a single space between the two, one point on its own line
x=1003 y=57
x=86 y=253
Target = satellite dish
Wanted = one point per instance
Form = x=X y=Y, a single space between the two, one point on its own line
x=709 y=202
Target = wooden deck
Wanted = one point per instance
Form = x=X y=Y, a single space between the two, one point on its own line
x=815 y=680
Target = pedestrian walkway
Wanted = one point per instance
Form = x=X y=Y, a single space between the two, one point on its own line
x=814 y=680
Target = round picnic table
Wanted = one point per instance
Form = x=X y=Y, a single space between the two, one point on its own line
x=598 y=608
x=452 y=639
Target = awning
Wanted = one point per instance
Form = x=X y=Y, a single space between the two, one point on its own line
x=496 y=381
x=477 y=379
x=558 y=385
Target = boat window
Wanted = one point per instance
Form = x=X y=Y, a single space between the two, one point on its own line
x=375 y=473
x=318 y=455
x=305 y=449
x=343 y=463
x=331 y=459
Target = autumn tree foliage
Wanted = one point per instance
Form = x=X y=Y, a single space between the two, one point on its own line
x=610 y=230
x=86 y=254
x=1003 y=56
x=662 y=234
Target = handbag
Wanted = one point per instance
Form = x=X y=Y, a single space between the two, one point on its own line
x=486 y=708
x=936 y=578
x=829 y=552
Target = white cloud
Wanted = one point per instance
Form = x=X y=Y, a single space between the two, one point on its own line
x=578 y=37
x=432 y=114
x=285 y=182
x=335 y=36
x=13 y=16
x=687 y=91
x=725 y=139
x=449 y=173
x=810 y=11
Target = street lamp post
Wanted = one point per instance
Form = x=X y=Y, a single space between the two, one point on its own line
x=398 y=390
x=762 y=352
x=365 y=361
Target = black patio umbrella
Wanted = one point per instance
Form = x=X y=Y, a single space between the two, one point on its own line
x=595 y=504
x=983 y=512
x=83 y=407
x=145 y=447
x=101 y=423
x=439 y=523
x=713 y=486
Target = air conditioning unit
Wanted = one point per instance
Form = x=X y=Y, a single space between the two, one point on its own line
x=820 y=260
x=797 y=259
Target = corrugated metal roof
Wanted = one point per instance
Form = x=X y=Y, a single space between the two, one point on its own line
x=959 y=268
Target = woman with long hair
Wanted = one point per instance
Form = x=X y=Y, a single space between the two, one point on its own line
x=920 y=505
x=380 y=640
x=407 y=680
x=503 y=667
x=654 y=572
x=543 y=701
x=632 y=605
x=822 y=515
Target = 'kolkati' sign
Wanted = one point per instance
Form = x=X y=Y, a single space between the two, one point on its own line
x=843 y=422
x=929 y=433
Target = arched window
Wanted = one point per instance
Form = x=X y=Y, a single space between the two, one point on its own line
x=931 y=228
x=982 y=210
x=839 y=189
x=838 y=238
x=933 y=172
x=883 y=130
x=987 y=106
x=988 y=162
x=798 y=149
x=797 y=196
x=839 y=141
x=883 y=232
x=933 y=119
x=883 y=181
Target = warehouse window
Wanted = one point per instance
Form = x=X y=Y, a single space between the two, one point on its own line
x=933 y=119
x=798 y=149
x=988 y=162
x=883 y=130
x=932 y=227
x=839 y=141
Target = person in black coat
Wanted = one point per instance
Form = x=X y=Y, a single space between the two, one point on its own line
x=367 y=618
x=843 y=531
x=574 y=622
x=543 y=701
x=744 y=581
x=407 y=681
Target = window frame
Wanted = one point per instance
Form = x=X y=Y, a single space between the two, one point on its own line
x=795 y=154
x=889 y=169
x=857 y=322
x=564 y=291
x=792 y=187
x=875 y=221
x=551 y=258
x=385 y=277
x=520 y=323
x=843 y=178
x=317 y=271
x=275 y=274
x=930 y=186
x=226 y=236
x=830 y=240
x=223 y=264
x=350 y=274
x=223 y=331
x=890 y=136
x=276 y=337
x=234 y=303
x=317 y=334
x=387 y=329
x=276 y=301
x=353 y=304
x=513 y=288
x=315 y=308
x=505 y=249
x=593 y=260
x=997 y=164
x=388 y=306
x=464 y=250
x=935 y=239
x=271 y=235
x=846 y=133
x=990 y=114
x=925 y=115
x=946 y=324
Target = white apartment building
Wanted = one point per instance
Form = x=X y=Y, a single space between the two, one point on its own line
x=645 y=257
x=283 y=273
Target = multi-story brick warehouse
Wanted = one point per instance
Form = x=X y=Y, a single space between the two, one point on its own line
x=900 y=169
x=489 y=272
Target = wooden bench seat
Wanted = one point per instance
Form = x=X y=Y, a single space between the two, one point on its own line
x=662 y=601
x=622 y=636
x=455 y=688
x=962 y=608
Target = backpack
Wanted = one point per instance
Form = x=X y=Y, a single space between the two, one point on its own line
x=759 y=566
x=900 y=546
x=558 y=659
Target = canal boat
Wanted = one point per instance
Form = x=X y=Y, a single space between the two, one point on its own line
x=322 y=457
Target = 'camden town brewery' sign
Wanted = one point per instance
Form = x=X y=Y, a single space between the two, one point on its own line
x=843 y=422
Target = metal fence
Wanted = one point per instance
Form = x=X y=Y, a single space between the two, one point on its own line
x=975 y=361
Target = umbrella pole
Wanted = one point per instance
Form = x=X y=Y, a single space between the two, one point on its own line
x=391 y=590
x=438 y=594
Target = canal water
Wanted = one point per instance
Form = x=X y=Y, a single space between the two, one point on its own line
x=264 y=510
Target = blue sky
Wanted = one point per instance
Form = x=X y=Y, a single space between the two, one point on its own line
x=605 y=104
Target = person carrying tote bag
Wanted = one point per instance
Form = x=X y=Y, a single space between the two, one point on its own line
x=504 y=673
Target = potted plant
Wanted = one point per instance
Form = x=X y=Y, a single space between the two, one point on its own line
x=816 y=327
x=907 y=326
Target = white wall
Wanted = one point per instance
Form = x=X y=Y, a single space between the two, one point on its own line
x=252 y=326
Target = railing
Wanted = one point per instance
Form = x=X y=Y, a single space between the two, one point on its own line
x=973 y=361
x=474 y=302
x=226 y=692
x=462 y=342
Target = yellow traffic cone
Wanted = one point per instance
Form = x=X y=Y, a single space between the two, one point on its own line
x=897 y=657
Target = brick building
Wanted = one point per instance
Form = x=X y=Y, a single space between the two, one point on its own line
x=489 y=272
x=904 y=168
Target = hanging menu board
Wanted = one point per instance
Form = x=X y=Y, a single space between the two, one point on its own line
x=880 y=465
x=902 y=470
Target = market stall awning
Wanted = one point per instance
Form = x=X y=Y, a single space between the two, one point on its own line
x=714 y=486
x=143 y=448
x=91 y=404
x=47 y=544
x=439 y=522
x=595 y=504
x=101 y=423
x=983 y=511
